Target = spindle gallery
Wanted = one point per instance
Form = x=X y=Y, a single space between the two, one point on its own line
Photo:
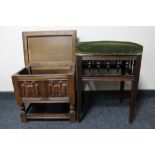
x=56 y=67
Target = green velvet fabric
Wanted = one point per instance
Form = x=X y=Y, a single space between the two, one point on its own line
x=109 y=48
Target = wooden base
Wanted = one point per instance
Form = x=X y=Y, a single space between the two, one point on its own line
x=29 y=114
x=50 y=89
x=47 y=116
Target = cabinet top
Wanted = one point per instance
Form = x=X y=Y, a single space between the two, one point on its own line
x=109 y=48
x=49 y=48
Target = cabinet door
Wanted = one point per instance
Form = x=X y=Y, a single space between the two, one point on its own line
x=57 y=88
x=30 y=88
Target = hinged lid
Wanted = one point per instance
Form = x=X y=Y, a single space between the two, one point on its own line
x=49 y=48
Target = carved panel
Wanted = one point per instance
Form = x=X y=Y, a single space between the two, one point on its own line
x=30 y=88
x=57 y=88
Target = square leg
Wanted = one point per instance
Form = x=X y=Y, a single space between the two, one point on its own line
x=72 y=103
x=134 y=89
x=122 y=91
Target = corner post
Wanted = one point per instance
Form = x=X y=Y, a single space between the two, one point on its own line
x=134 y=89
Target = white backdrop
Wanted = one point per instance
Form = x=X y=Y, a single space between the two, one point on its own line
x=12 y=60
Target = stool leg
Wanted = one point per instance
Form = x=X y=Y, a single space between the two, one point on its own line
x=122 y=82
x=133 y=101
x=134 y=89
x=79 y=85
x=122 y=91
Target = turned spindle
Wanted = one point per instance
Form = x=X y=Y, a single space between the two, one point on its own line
x=108 y=67
x=132 y=67
x=89 y=67
x=98 y=67
x=118 y=68
x=126 y=66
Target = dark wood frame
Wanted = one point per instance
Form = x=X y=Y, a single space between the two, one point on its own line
x=134 y=79
x=38 y=83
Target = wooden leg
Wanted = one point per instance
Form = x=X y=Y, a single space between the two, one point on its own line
x=122 y=91
x=72 y=114
x=133 y=101
x=72 y=102
x=134 y=89
x=79 y=87
x=19 y=99
x=23 y=114
x=122 y=82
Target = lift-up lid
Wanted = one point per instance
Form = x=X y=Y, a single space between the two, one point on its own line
x=49 y=49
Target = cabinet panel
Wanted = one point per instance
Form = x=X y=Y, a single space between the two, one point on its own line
x=30 y=88
x=57 y=88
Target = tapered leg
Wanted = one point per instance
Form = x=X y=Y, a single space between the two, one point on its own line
x=122 y=91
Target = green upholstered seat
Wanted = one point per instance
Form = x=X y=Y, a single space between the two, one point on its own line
x=109 y=48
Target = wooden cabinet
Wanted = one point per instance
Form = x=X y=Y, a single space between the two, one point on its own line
x=48 y=75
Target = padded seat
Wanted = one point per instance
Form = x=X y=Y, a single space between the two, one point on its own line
x=109 y=48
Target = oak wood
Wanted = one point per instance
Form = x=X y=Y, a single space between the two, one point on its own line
x=49 y=73
x=113 y=57
x=107 y=78
x=45 y=116
x=122 y=83
x=134 y=89
x=52 y=47
x=79 y=85
x=122 y=90
x=47 y=100
x=133 y=77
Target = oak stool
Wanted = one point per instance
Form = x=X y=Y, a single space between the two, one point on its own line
x=108 y=61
